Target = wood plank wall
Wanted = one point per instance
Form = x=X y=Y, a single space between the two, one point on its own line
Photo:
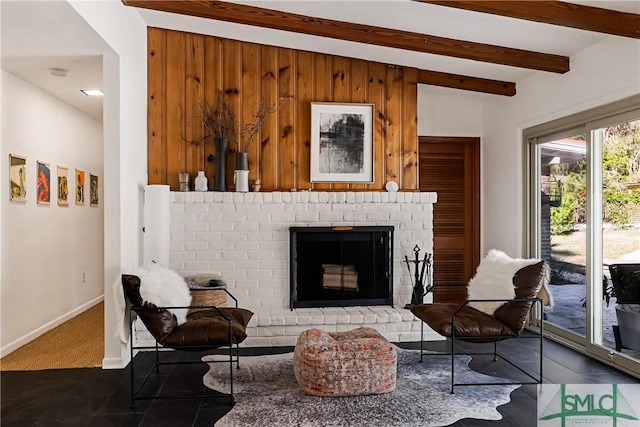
x=185 y=69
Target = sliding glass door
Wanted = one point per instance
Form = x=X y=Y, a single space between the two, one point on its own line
x=563 y=236
x=584 y=213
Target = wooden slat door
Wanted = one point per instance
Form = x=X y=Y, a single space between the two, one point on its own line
x=450 y=166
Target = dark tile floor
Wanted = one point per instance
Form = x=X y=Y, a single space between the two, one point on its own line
x=96 y=397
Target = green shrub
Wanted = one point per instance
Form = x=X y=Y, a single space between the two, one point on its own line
x=563 y=217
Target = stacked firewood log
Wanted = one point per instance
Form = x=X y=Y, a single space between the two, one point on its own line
x=341 y=277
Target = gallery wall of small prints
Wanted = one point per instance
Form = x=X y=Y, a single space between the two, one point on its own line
x=40 y=185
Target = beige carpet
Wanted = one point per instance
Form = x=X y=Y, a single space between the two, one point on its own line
x=77 y=343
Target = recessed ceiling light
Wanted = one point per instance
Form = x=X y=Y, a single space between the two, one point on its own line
x=59 y=72
x=92 y=92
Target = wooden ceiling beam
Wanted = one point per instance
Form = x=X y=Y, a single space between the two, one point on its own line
x=475 y=84
x=556 y=13
x=267 y=18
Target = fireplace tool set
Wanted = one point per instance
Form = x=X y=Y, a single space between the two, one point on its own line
x=422 y=269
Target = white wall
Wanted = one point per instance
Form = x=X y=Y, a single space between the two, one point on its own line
x=601 y=74
x=449 y=112
x=125 y=149
x=48 y=247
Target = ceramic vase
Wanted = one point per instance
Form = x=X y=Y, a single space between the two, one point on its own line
x=200 y=182
x=241 y=174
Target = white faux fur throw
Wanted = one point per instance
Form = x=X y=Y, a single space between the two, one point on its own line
x=122 y=311
x=164 y=288
x=494 y=280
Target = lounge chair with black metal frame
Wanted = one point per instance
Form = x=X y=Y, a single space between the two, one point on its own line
x=207 y=328
x=465 y=323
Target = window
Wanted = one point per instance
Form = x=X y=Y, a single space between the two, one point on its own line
x=584 y=215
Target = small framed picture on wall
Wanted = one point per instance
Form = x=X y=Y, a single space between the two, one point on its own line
x=63 y=186
x=79 y=187
x=93 y=190
x=43 y=181
x=17 y=178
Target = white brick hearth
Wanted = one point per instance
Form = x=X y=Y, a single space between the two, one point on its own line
x=245 y=238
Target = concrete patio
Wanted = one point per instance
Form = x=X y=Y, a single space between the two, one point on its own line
x=568 y=313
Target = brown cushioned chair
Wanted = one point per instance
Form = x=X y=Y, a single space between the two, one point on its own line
x=206 y=328
x=465 y=323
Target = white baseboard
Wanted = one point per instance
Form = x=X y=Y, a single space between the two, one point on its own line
x=114 y=363
x=47 y=327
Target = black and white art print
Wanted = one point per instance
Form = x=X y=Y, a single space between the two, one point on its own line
x=341 y=142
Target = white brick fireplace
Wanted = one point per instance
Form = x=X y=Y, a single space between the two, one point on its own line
x=245 y=238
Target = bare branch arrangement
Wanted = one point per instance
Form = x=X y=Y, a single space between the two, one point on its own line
x=218 y=119
x=251 y=129
x=221 y=122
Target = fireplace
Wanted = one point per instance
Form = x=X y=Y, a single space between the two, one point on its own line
x=341 y=266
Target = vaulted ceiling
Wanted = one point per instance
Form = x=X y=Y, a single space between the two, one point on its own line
x=484 y=46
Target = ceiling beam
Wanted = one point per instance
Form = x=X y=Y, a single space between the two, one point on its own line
x=268 y=18
x=475 y=84
x=556 y=13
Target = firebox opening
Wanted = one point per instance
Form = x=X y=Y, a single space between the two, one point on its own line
x=341 y=266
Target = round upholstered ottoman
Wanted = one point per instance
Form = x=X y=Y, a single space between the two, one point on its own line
x=345 y=363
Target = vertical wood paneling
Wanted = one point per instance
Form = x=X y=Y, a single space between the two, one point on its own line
x=322 y=81
x=269 y=134
x=175 y=107
x=304 y=93
x=250 y=98
x=231 y=84
x=184 y=69
x=358 y=86
x=286 y=142
x=393 y=141
x=212 y=84
x=340 y=77
x=194 y=91
x=409 y=129
x=341 y=92
x=376 y=96
x=156 y=121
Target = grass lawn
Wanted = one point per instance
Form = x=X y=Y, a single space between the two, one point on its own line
x=568 y=251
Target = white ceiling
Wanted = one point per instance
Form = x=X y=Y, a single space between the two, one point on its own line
x=39 y=35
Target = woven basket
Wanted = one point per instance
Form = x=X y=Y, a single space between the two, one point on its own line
x=203 y=294
x=208 y=297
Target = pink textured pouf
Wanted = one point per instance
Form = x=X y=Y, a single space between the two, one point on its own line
x=344 y=363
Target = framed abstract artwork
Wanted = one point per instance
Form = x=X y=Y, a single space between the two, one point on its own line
x=63 y=186
x=341 y=142
x=43 y=181
x=93 y=190
x=17 y=178
x=79 y=187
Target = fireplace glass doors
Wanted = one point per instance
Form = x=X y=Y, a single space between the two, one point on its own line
x=341 y=266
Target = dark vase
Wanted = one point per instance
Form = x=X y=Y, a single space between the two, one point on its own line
x=242 y=162
x=221 y=148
